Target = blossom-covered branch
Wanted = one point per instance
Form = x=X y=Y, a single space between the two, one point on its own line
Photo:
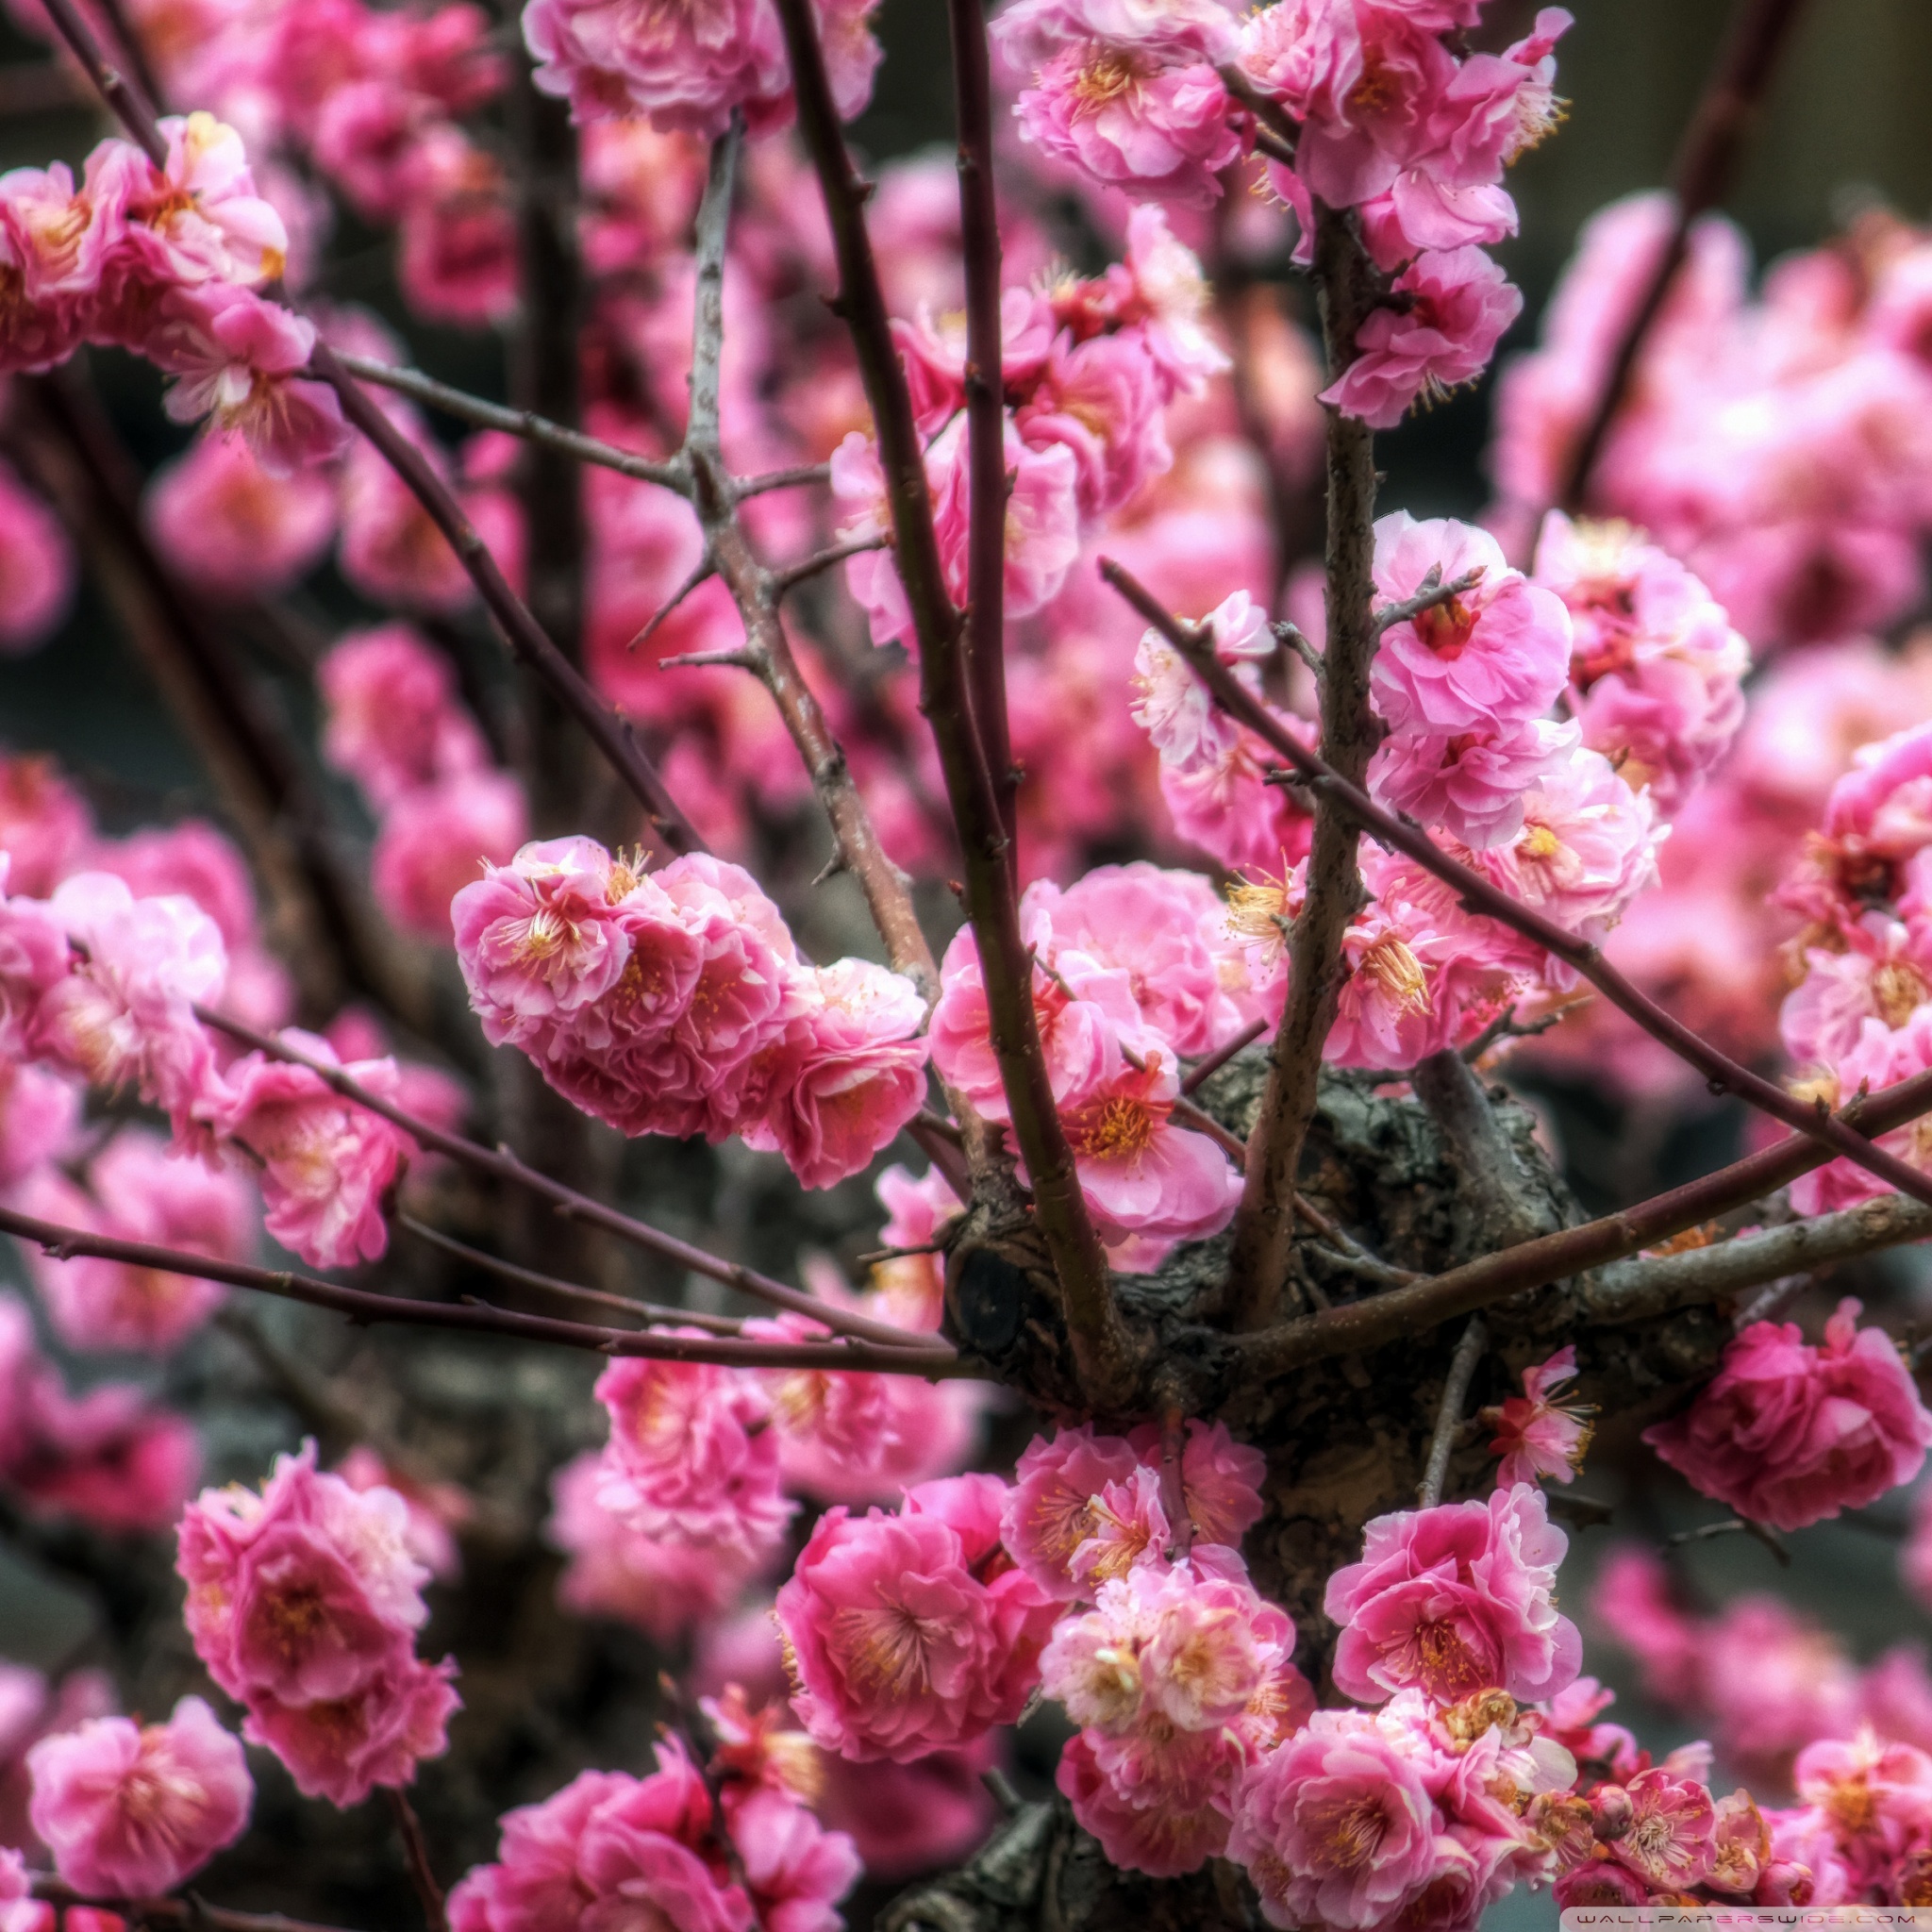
x=1480 y=895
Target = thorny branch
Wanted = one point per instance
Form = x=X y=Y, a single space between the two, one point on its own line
x=1478 y=895
x=1701 y=175
x=367 y=1309
x=1263 y=1225
x=502 y=1165
x=527 y=640
x=1094 y=1322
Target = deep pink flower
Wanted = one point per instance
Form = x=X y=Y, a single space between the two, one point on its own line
x=458 y=262
x=796 y=1870
x=433 y=841
x=904 y=1633
x=111 y=1457
x=1337 y=1828
x=1787 y=1434
x=1632 y=1602
x=1538 y=1439
x=691 y=1457
x=36 y=568
x=1456 y=1599
x=131 y=1812
x=394 y=721
x=232 y=528
x=324 y=1163
x=1461 y=303
x=343 y=1749
x=44 y=823
x=1496 y=654
x=1221 y=1479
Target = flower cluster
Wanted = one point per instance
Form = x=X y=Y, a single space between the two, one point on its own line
x=675 y=1002
x=395 y=725
x=304 y=1603
x=1416 y=139
x=1133 y=970
x=1787 y=1434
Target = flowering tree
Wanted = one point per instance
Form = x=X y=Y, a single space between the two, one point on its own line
x=1276 y=867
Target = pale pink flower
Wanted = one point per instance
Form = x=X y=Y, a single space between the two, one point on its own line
x=1787 y=1434
x=1337 y=1828
x=1669 y=1841
x=1497 y=652
x=1460 y=301
x=1172 y=706
x=607 y=1850
x=198 y=218
x=36 y=568
x=131 y=1812
x=1538 y=1438
x=691 y=1456
x=55 y=243
x=1049 y=1512
x=917 y=1211
x=434 y=840
x=848 y=1074
x=1456 y=1599
x=904 y=1633
x=238 y=359
x=144 y=1195
x=1129 y=1526
x=394 y=721
x=663 y=1587
x=435 y=1510
x=40 y=1115
x=230 y=527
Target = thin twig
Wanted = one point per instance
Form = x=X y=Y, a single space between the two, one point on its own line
x=1207 y=1069
x=502 y=1165
x=1481 y=896
x=1468 y=1351
x=1432 y=593
x=416 y=1856
x=1706 y=163
x=367 y=1309
x=1731 y=1526
x=652 y=1314
x=1263 y=1225
x=1368 y=1324
x=190 y=1912
x=1098 y=1336
x=1271 y=116
x=795 y=574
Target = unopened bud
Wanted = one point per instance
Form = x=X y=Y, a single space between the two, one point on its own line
x=1610 y=1811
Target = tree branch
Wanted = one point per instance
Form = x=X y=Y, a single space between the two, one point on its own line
x=502 y=1165
x=190 y=1913
x=1098 y=1336
x=986 y=411
x=1706 y=163
x=416 y=1856
x=367 y=1309
x=1462 y=1365
x=1263 y=1225
x=1480 y=896
x=1359 y=1327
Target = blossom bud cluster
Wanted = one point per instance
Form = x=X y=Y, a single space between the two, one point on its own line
x=304 y=1602
x=675 y=1002
x=395 y=725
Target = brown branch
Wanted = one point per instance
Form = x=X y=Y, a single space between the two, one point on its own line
x=1481 y=896
x=1368 y=1324
x=1207 y=1069
x=1462 y=1367
x=190 y=1912
x=367 y=1309
x=1094 y=1326
x=794 y=574
x=1706 y=163
x=502 y=1165
x=985 y=639
x=1272 y=118
x=416 y=1856
x=1263 y=1225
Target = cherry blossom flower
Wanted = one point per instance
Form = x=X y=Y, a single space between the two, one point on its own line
x=394 y=722
x=1536 y=1437
x=1787 y=1434
x=131 y=1812
x=433 y=841
x=36 y=568
x=231 y=528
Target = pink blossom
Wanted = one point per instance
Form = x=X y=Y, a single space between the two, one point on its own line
x=236 y=359
x=342 y=1750
x=1669 y=1841
x=1461 y=303
x=692 y=1458
x=917 y=1211
x=1632 y=1601
x=796 y=1870
x=111 y=1457
x=434 y=840
x=1221 y=1479
x=44 y=821
x=904 y=1633
x=144 y=1195
x=231 y=528
x=1337 y=1826
x=458 y=262
x=1103 y=399
x=1495 y=654
x=324 y=1164
x=394 y=721
x=36 y=568
x=131 y=1812
x=607 y=1850
x=1473 y=783
x=124 y=1015
x=1456 y=1599
x=40 y=1113
x=663 y=1587
x=849 y=1073
x=1049 y=1512
x=1173 y=1833
x=1536 y=1437
x=54 y=246
x=1787 y=1434
x=197 y=218
x=1172 y=706
x=1129 y=1526
x=434 y=1511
